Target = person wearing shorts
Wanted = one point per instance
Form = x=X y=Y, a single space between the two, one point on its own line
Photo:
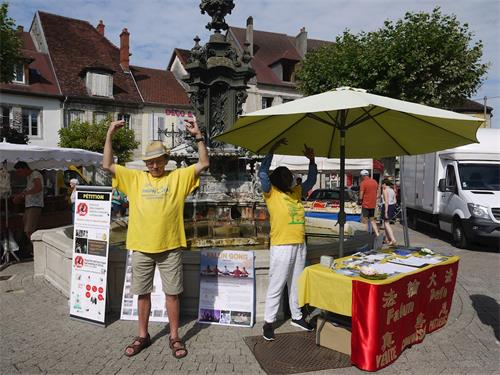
x=156 y=228
x=368 y=197
x=388 y=210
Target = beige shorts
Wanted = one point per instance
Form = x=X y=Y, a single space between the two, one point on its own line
x=170 y=267
x=31 y=218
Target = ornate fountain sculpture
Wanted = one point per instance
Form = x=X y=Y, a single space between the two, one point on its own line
x=228 y=209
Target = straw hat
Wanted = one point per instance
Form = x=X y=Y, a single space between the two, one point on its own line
x=154 y=150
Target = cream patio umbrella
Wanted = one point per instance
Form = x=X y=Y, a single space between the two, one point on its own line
x=351 y=123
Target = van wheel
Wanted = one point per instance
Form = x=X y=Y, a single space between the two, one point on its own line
x=459 y=237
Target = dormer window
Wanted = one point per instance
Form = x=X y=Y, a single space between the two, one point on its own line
x=288 y=71
x=99 y=84
x=19 y=76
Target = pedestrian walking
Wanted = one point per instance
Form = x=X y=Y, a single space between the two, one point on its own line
x=388 y=210
x=368 y=191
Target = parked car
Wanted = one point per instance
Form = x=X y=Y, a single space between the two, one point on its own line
x=331 y=195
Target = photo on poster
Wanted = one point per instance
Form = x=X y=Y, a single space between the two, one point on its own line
x=242 y=318
x=82 y=233
x=96 y=247
x=208 y=315
x=225 y=317
x=239 y=266
x=81 y=246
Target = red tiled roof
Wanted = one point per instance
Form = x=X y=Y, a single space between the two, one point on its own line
x=468 y=105
x=41 y=78
x=313 y=44
x=27 y=41
x=74 y=45
x=270 y=48
x=159 y=86
x=182 y=54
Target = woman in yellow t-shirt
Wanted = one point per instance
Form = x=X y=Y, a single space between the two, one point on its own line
x=288 y=249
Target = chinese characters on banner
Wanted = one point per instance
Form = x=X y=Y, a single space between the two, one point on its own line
x=227 y=287
x=90 y=253
x=129 y=301
x=389 y=317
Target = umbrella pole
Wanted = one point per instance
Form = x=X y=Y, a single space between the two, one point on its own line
x=341 y=219
x=403 y=202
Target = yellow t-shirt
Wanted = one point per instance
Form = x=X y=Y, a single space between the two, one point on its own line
x=287 y=216
x=156 y=207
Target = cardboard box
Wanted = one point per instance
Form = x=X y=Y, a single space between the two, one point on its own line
x=332 y=336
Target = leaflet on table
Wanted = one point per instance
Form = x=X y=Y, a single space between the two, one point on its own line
x=347 y=272
x=411 y=261
x=391 y=268
x=129 y=309
x=90 y=253
x=227 y=287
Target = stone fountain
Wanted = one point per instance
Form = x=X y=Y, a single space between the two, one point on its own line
x=228 y=209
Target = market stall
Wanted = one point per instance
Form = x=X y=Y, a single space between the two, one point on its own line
x=56 y=211
x=393 y=299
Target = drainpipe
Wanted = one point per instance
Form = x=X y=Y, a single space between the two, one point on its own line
x=63 y=110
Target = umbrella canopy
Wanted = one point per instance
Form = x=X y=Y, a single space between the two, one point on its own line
x=375 y=126
x=352 y=123
x=39 y=157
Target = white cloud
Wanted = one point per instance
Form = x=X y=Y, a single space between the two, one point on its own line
x=158 y=26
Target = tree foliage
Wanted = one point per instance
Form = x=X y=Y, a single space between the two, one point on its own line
x=12 y=135
x=10 y=44
x=425 y=58
x=91 y=137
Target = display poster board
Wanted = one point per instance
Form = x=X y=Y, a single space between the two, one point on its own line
x=90 y=253
x=129 y=300
x=227 y=287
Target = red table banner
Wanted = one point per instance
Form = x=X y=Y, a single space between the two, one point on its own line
x=390 y=317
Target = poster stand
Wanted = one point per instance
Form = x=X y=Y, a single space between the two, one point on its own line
x=227 y=287
x=89 y=264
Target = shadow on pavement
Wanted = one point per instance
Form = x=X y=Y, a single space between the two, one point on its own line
x=193 y=331
x=488 y=311
x=433 y=232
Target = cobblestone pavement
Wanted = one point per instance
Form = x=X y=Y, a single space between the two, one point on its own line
x=37 y=335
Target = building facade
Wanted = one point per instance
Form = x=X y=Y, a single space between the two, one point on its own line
x=72 y=72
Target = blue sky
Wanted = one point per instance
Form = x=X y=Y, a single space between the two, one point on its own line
x=158 y=26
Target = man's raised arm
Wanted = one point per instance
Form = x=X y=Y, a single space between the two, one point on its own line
x=107 y=158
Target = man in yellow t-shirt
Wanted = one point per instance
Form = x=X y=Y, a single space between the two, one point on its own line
x=156 y=228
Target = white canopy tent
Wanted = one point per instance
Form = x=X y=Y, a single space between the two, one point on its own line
x=301 y=163
x=39 y=157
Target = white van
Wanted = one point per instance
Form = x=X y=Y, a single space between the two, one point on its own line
x=457 y=190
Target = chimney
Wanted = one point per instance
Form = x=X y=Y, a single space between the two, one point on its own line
x=124 y=50
x=100 y=27
x=249 y=36
x=20 y=29
x=301 y=42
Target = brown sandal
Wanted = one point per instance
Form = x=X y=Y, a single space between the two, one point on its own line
x=143 y=343
x=175 y=349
